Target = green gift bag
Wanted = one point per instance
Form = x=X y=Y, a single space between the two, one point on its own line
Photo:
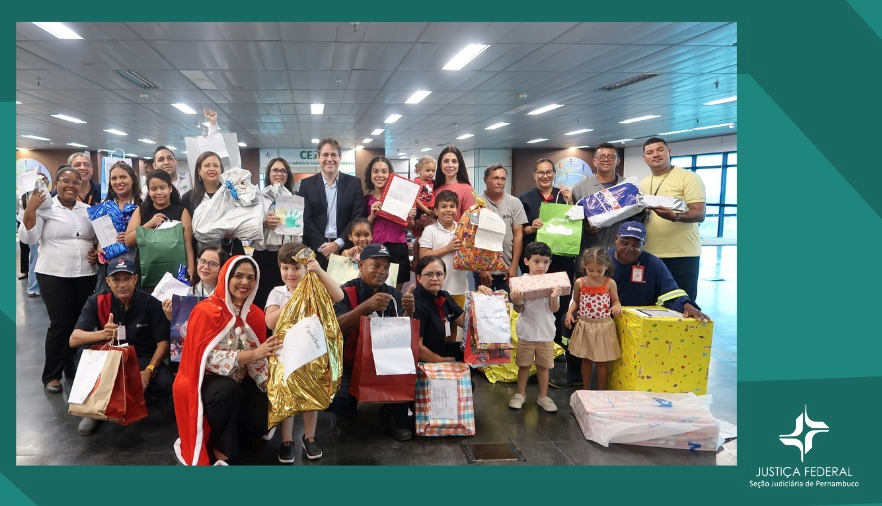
x=161 y=250
x=559 y=232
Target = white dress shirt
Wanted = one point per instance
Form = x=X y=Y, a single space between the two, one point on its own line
x=65 y=237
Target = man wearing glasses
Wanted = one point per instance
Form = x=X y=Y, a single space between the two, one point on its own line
x=606 y=159
x=332 y=200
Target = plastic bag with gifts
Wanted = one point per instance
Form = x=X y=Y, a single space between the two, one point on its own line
x=479 y=355
x=269 y=197
x=613 y=204
x=232 y=210
x=468 y=257
x=120 y=219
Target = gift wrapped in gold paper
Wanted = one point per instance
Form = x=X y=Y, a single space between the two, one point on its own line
x=312 y=386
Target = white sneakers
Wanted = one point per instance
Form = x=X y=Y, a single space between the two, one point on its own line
x=517 y=401
x=547 y=404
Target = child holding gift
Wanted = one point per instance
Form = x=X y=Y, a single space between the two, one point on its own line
x=439 y=239
x=292 y=272
x=358 y=235
x=377 y=175
x=535 y=328
x=596 y=297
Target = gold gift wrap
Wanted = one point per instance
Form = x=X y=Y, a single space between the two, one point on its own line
x=312 y=386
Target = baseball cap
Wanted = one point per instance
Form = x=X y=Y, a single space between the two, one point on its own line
x=375 y=251
x=633 y=229
x=122 y=263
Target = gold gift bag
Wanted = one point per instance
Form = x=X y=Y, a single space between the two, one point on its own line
x=312 y=386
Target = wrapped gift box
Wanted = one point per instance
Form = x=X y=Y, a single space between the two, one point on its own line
x=661 y=353
x=667 y=420
x=613 y=204
x=539 y=287
x=443 y=404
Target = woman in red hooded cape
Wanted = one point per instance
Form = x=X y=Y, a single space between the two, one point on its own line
x=220 y=388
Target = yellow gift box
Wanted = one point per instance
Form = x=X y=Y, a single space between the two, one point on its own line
x=661 y=351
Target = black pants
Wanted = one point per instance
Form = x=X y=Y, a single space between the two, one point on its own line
x=685 y=272
x=24 y=257
x=344 y=404
x=237 y=412
x=160 y=386
x=64 y=299
x=270 y=276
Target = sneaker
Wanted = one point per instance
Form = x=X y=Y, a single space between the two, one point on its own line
x=269 y=435
x=311 y=448
x=33 y=294
x=517 y=401
x=88 y=426
x=547 y=404
x=286 y=452
x=221 y=463
x=564 y=380
x=398 y=431
x=53 y=387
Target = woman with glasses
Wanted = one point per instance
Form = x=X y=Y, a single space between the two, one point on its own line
x=277 y=182
x=204 y=280
x=65 y=268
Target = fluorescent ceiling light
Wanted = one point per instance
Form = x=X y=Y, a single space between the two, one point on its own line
x=184 y=108
x=37 y=137
x=401 y=154
x=133 y=155
x=59 y=30
x=536 y=140
x=722 y=100
x=317 y=108
x=17 y=102
x=115 y=131
x=148 y=158
x=184 y=152
x=359 y=147
x=497 y=125
x=378 y=131
x=315 y=140
x=172 y=148
x=392 y=118
x=620 y=140
x=640 y=118
x=547 y=108
x=367 y=140
x=730 y=125
x=243 y=145
x=676 y=132
x=582 y=147
x=426 y=149
x=77 y=145
x=23 y=149
x=464 y=136
x=65 y=117
x=465 y=56
x=418 y=97
x=582 y=131
x=147 y=141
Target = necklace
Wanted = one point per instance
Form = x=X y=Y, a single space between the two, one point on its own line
x=660 y=183
x=236 y=331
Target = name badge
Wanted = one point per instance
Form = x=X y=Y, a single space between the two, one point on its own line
x=446 y=328
x=637 y=274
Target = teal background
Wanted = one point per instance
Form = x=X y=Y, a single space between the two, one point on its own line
x=809 y=247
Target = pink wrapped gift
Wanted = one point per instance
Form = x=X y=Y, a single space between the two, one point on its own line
x=539 y=287
x=665 y=420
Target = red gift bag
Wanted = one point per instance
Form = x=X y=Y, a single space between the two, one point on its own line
x=123 y=403
x=366 y=385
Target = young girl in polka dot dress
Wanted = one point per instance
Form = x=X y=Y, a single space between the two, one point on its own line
x=595 y=297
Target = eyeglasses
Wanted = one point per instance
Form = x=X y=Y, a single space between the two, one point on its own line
x=434 y=275
x=329 y=155
x=278 y=171
x=211 y=263
x=544 y=173
x=606 y=157
x=75 y=182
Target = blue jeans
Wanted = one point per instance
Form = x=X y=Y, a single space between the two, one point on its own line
x=33 y=287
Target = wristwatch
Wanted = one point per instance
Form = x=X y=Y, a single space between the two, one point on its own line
x=676 y=217
x=152 y=369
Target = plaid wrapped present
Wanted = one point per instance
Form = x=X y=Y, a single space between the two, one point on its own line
x=468 y=257
x=444 y=400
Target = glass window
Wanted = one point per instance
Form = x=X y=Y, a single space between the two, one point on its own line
x=732 y=185
x=733 y=158
x=712 y=180
x=730 y=226
x=711 y=160
x=708 y=228
x=681 y=161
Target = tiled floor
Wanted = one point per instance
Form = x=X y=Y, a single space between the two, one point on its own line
x=47 y=435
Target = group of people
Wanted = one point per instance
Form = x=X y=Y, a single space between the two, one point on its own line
x=220 y=387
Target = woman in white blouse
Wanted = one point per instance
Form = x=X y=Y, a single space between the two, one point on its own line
x=65 y=268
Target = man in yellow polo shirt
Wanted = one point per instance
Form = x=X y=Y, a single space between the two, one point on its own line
x=671 y=235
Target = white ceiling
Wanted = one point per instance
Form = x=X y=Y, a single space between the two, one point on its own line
x=264 y=76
